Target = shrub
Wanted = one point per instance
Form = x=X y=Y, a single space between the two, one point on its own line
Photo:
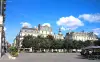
x=13 y=51
x=14 y=54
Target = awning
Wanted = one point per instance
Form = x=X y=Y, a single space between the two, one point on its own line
x=92 y=47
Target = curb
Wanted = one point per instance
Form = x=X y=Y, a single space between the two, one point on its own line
x=10 y=57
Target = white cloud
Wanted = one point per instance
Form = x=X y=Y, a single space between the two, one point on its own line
x=26 y=24
x=70 y=22
x=96 y=31
x=91 y=17
x=35 y=26
x=48 y=24
x=62 y=28
x=5 y=28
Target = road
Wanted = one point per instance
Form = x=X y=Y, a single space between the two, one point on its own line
x=49 y=57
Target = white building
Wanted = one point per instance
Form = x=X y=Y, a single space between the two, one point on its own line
x=25 y=32
x=83 y=36
x=43 y=31
x=28 y=31
x=59 y=35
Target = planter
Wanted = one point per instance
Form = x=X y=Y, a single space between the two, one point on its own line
x=11 y=57
x=14 y=54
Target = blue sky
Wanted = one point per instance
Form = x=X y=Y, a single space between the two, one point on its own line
x=76 y=15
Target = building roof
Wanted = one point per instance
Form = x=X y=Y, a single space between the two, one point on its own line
x=29 y=28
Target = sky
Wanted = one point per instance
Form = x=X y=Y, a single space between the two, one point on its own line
x=73 y=15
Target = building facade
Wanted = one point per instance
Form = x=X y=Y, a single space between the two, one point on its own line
x=59 y=35
x=2 y=32
x=82 y=36
x=25 y=32
x=7 y=44
x=43 y=31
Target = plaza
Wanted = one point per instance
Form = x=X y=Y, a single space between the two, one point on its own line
x=49 y=57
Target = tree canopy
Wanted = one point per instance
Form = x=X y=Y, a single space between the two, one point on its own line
x=50 y=43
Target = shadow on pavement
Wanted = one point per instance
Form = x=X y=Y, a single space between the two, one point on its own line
x=80 y=57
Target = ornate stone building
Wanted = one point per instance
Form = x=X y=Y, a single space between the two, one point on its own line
x=43 y=31
x=59 y=35
x=83 y=36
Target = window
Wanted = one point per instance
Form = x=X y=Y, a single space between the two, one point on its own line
x=25 y=30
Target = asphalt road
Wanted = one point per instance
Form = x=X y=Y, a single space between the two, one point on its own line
x=49 y=57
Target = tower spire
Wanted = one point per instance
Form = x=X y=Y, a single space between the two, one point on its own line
x=59 y=31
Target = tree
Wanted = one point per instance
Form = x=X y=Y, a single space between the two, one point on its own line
x=59 y=44
x=87 y=43
x=27 y=41
x=44 y=43
x=80 y=44
x=36 y=42
x=68 y=45
x=97 y=43
x=50 y=37
x=13 y=51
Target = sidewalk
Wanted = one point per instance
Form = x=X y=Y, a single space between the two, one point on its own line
x=5 y=57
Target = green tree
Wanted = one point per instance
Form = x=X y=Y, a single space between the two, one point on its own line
x=36 y=43
x=97 y=43
x=27 y=41
x=43 y=44
x=87 y=43
x=80 y=44
x=39 y=43
x=75 y=44
x=50 y=41
x=68 y=45
x=59 y=44
x=13 y=49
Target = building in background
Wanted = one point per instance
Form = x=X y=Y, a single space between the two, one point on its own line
x=7 y=45
x=25 y=31
x=59 y=35
x=41 y=30
x=45 y=30
x=2 y=32
x=82 y=36
x=14 y=44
